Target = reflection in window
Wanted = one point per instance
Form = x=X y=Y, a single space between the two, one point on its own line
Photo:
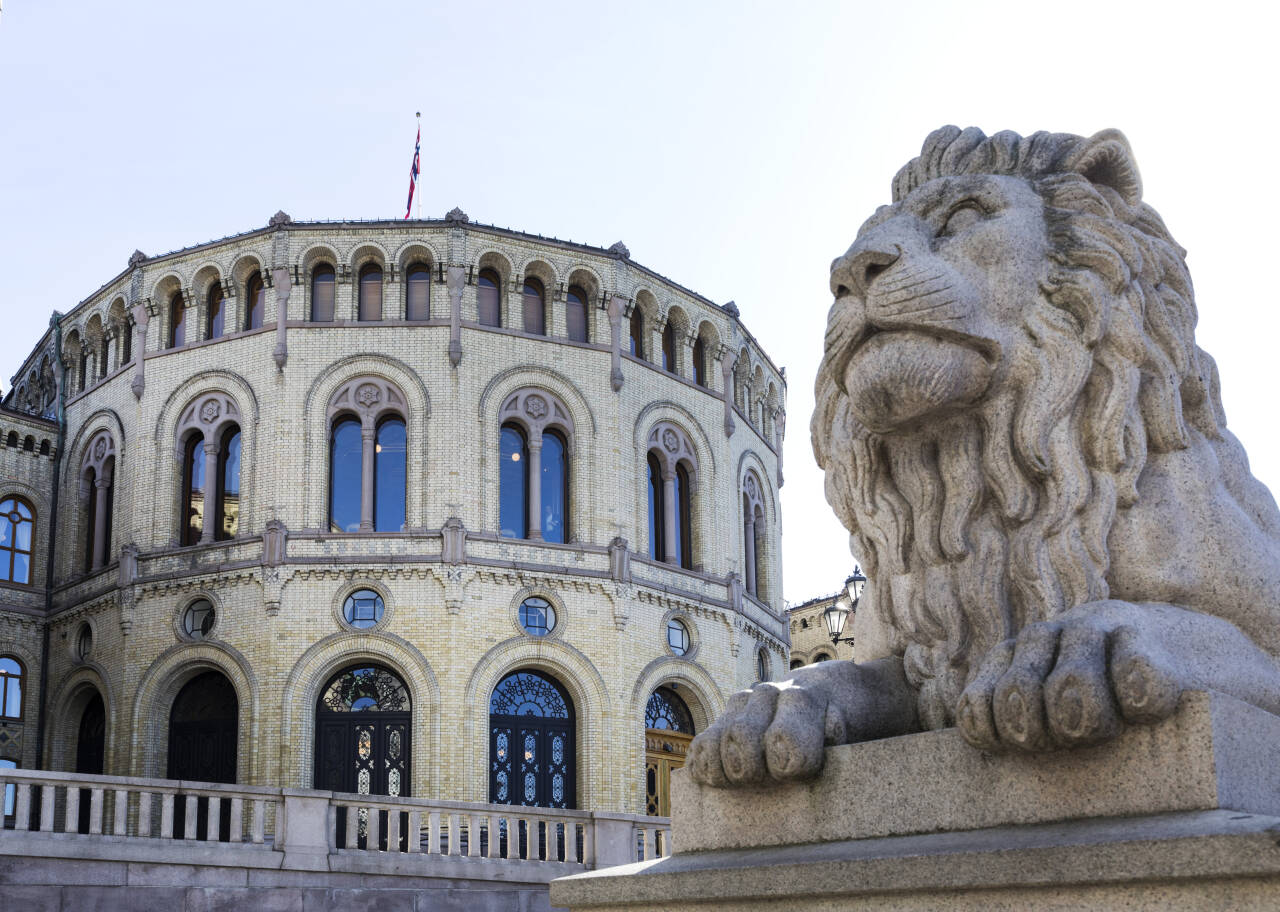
x=684 y=537
x=535 y=308
x=217 y=311
x=677 y=636
x=513 y=483
x=700 y=362
x=9 y=788
x=555 y=487
x=16 y=533
x=363 y=609
x=575 y=314
x=488 y=286
x=193 y=489
x=669 y=348
x=637 y=333
x=177 y=323
x=657 y=511
x=667 y=711
x=228 y=515
x=370 y=293
x=389 y=476
x=417 y=304
x=367 y=689
x=198 y=619
x=255 y=302
x=10 y=688
x=344 y=476
x=322 y=293
x=537 y=617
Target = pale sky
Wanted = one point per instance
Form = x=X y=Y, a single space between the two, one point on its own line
x=733 y=146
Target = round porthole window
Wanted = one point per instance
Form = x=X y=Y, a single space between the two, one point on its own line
x=677 y=637
x=197 y=620
x=363 y=609
x=537 y=617
x=84 y=642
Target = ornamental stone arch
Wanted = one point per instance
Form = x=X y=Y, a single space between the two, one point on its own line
x=416 y=251
x=158 y=688
x=67 y=704
x=758 y=530
x=342 y=650
x=499 y=262
x=97 y=473
x=539 y=398
x=350 y=386
x=542 y=269
x=693 y=449
x=244 y=267
x=366 y=252
x=597 y=769
x=311 y=257
x=162 y=293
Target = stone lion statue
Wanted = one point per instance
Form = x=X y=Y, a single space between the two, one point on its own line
x=1030 y=452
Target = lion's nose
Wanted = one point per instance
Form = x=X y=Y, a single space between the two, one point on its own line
x=857 y=269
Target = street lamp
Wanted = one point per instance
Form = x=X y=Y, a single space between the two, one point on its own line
x=844 y=604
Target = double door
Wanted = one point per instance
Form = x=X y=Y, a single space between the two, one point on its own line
x=366 y=753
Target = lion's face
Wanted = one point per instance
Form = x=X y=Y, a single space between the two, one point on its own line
x=930 y=298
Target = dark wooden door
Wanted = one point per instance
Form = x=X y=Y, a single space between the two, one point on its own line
x=203 y=741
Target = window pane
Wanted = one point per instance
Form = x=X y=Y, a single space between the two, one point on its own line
x=371 y=293
x=657 y=535
x=217 y=312
x=576 y=316
x=257 y=303
x=534 y=310
x=389 y=476
x=418 y=303
x=13 y=697
x=22 y=539
x=489 y=313
x=229 y=506
x=344 y=477
x=178 y=326
x=684 y=549
x=193 y=483
x=699 y=362
x=6 y=532
x=637 y=333
x=512 y=477
x=22 y=568
x=10 y=666
x=10 y=788
x=669 y=348
x=555 y=493
x=322 y=294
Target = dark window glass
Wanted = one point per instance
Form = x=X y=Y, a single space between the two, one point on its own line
x=537 y=616
x=322 y=293
x=255 y=299
x=228 y=517
x=488 y=288
x=177 y=323
x=83 y=373
x=666 y=710
x=367 y=689
x=575 y=314
x=531 y=751
x=198 y=619
x=127 y=342
x=677 y=637
x=217 y=311
x=535 y=308
x=417 y=305
x=637 y=333
x=684 y=536
x=193 y=489
x=344 y=476
x=102 y=359
x=657 y=511
x=91 y=517
x=17 y=531
x=389 y=476
x=555 y=487
x=699 y=362
x=762 y=666
x=370 y=305
x=796 y=663
x=669 y=348
x=821 y=657
x=363 y=608
x=513 y=483
x=10 y=688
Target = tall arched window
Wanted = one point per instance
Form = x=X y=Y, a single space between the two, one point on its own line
x=669 y=348
x=322 y=293
x=575 y=314
x=177 y=323
x=345 y=458
x=700 y=362
x=97 y=483
x=228 y=515
x=389 y=475
x=370 y=293
x=753 y=532
x=531 y=742
x=636 y=335
x=657 y=511
x=417 y=297
x=217 y=309
x=684 y=532
x=488 y=298
x=255 y=301
x=193 y=489
x=17 y=532
x=513 y=483
x=672 y=474
x=10 y=688
x=555 y=487
x=535 y=307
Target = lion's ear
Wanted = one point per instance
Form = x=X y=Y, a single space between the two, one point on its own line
x=1106 y=159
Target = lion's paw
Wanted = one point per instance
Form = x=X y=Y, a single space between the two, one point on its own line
x=1065 y=684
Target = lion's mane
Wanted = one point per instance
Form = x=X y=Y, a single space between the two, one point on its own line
x=999 y=517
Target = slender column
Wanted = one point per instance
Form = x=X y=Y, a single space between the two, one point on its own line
x=617 y=304
x=749 y=532
x=284 y=287
x=139 y=382
x=367 y=434
x=726 y=370
x=780 y=430
x=456 y=281
x=535 y=487
x=101 y=486
x=210 y=491
x=669 y=518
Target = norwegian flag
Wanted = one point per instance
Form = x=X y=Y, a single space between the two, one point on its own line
x=413 y=171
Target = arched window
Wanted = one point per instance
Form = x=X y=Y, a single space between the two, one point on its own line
x=17 y=532
x=669 y=348
x=667 y=711
x=753 y=532
x=322 y=293
x=636 y=336
x=555 y=487
x=193 y=489
x=228 y=504
x=370 y=293
x=417 y=297
x=683 y=524
x=657 y=511
x=762 y=665
x=796 y=663
x=91 y=743
x=255 y=301
x=102 y=359
x=363 y=736
x=97 y=492
x=217 y=308
x=513 y=483
x=488 y=298
x=821 y=657
x=82 y=375
x=531 y=742
x=177 y=325
x=126 y=330
x=700 y=362
x=10 y=688
x=389 y=475
x=345 y=456
x=535 y=307
x=575 y=314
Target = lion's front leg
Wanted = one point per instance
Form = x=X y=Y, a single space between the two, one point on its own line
x=779 y=730
x=1078 y=678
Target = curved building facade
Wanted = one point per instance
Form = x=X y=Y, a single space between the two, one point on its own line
x=424 y=508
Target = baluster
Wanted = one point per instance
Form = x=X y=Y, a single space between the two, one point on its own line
x=473 y=837
x=189 y=824
x=120 y=824
x=588 y=844
x=494 y=837
x=415 y=831
x=434 y=817
x=144 y=814
x=455 y=835
x=95 y=812
x=211 y=828
x=374 y=821
x=649 y=848
x=353 y=827
x=393 y=831
x=166 y=815
x=260 y=820
x=236 y=824
x=71 y=822
x=22 y=809
x=48 y=794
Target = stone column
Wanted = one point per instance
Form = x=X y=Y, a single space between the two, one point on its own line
x=456 y=281
x=749 y=533
x=617 y=306
x=101 y=485
x=726 y=371
x=669 y=518
x=139 y=382
x=779 y=429
x=284 y=287
x=367 y=440
x=207 y=530
x=535 y=487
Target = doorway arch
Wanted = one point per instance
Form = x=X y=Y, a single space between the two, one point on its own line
x=203 y=747
x=362 y=732
x=668 y=730
x=532 y=759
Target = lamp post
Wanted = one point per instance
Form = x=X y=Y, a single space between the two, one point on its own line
x=837 y=613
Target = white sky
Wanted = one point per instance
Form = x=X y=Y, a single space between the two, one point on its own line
x=733 y=146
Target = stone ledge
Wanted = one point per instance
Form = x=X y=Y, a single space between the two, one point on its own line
x=1214 y=752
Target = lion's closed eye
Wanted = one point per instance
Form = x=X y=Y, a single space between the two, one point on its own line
x=961 y=217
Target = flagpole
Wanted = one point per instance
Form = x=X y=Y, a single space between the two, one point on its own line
x=419 y=116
